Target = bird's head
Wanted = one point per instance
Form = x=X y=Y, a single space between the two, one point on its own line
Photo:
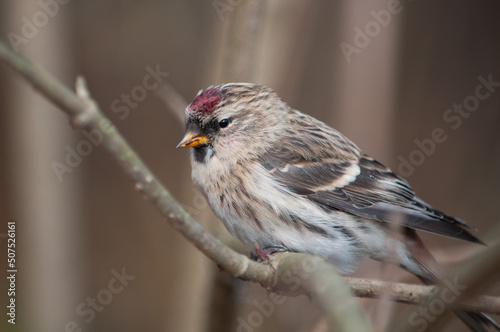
x=232 y=120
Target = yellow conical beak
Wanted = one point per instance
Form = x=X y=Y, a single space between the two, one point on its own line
x=192 y=140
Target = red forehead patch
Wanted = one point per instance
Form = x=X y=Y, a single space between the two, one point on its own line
x=205 y=102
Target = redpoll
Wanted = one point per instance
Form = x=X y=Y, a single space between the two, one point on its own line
x=281 y=180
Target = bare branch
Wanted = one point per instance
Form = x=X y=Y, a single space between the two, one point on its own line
x=417 y=294
x=85 y=114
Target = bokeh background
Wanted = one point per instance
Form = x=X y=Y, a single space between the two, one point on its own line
x=383 y=80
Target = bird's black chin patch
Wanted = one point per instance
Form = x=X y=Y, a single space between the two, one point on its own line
x=203 y=153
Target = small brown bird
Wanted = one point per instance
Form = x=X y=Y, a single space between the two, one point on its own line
x=281 y=180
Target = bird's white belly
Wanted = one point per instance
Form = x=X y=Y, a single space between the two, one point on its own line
x=257 y=212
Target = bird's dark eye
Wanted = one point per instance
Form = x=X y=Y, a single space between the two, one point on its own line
x=224 y=123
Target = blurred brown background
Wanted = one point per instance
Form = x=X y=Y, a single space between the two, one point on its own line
x=384 y=73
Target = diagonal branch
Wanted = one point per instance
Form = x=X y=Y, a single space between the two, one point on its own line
x=85 y=115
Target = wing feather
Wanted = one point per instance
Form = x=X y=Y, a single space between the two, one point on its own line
x=358 y=185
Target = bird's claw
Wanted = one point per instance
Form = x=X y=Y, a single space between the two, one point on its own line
x=261 y=255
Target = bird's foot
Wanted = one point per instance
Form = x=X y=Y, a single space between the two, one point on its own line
x=262 y=255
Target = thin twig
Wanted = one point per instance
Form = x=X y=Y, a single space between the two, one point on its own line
x=417 y=294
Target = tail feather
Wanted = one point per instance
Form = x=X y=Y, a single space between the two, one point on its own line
x=431 y=274
x=476 y=321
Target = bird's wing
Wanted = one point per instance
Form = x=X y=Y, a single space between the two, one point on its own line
x=360 y=186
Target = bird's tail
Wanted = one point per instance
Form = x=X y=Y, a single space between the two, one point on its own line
x=431 y=274
x=476 y=321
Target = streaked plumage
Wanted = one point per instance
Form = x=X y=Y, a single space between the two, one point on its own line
x=278 y=178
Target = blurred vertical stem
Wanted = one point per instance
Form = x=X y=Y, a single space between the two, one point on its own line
x=242 y=32
x=242 y=45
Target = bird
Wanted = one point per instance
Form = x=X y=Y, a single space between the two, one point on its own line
x=281 y=180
